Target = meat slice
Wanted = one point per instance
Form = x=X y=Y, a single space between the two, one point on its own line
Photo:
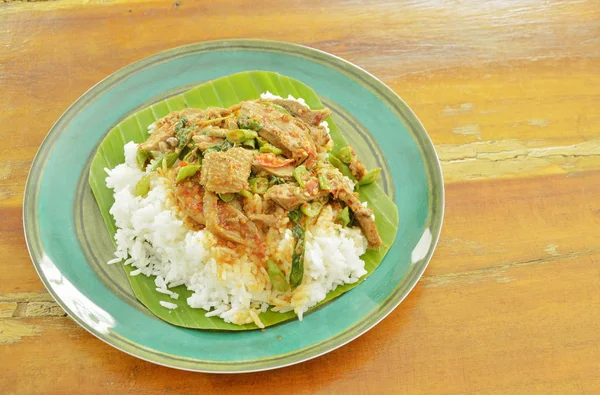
x=283 y=131
x=290 y=196
x=226 y=172
x=203 y=142
x=312 y=117
x=167 y=126
x=340 y=189
x=229 y=222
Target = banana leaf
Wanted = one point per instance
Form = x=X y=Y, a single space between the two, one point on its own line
x=223 y=92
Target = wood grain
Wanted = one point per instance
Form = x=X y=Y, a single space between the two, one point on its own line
x=509 y=93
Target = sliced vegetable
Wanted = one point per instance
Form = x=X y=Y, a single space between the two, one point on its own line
x=143 y=186
x=335 y=162
x=167 y=160
x=274 y=180
x=245 y=193
x=370 y=177
x=238 y=136
x=323 y=183
x=186 y=172
x=297 y=270
x=345 y=154
x=182 y=132
x=192 y=156
x=250 y=143
x=276 y=276
x=141 y=158
x=311 y=209
x=265 y=148
x=343 y=218
x=258 y=185
x=295 y=216
x=226 y=197
x=299 y=174
x=249 y=123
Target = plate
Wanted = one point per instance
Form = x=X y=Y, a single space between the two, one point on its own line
x=69 y=244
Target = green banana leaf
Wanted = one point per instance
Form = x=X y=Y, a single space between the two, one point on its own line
x=223 y=92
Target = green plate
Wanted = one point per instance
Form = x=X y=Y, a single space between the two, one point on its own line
x=69 y=243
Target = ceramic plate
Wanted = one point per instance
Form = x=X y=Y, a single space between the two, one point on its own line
x=69 y=243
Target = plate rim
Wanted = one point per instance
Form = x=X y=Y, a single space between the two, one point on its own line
x=431 y=163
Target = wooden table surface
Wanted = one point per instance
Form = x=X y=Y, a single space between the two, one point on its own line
x=510 y=94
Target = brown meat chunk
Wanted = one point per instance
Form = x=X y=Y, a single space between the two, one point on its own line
x=166 y=126
x=226 y=172
x=340 y=190
x=283 y=131
x=290 y=196
x=229 y=222
x=204 y=142
x=311 y=117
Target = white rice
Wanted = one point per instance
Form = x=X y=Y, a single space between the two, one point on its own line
x=152 y=238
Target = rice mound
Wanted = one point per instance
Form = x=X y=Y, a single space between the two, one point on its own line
x=152 y=238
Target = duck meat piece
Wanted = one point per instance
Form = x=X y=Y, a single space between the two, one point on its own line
x=226 y=172
x=163 y=135
x=311 y=117
x=190 y=197
x=290 y=196
x=229 y=222
x=283 y=131
x=273 y=165
x=340 y=190
x=204 y=142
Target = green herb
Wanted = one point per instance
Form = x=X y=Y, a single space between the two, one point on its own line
x=276 y=276
x=143 y=186
x=297 y=270
x=186 y=172
x=182 y=133
x=274 y=180
x=370 y=177
x=258 y=185
x=295 y=215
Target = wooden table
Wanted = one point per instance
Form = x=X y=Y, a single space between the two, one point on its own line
x=510 y=94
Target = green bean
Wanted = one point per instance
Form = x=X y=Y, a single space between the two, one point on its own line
x=245 y=193
x=343 y=217
x=295 y=215
x=299 y=173
x=311 y=209
x=186 y=172
x=141 y=158
x=345 y=154
x=265 y=148
x=335 y=162
x=240 y=135
x=370 y=177
x=143 y=186
x=323 y=183
x=226 y=197
x=259 y=185
x=169 y=159
x=276 y=276
x=250 y=143
x=249 y=123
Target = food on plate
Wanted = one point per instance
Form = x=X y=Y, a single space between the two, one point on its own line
x=245 y=206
